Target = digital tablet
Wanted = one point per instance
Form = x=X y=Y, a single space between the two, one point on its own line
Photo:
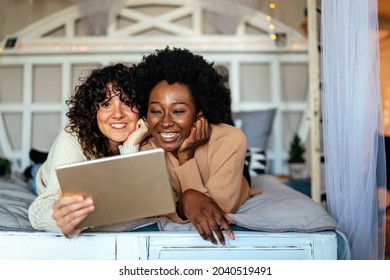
x=123 y=188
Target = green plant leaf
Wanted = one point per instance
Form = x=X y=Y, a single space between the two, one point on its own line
x=297 y=150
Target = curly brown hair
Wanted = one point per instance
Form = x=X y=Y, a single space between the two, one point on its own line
x=84 y=104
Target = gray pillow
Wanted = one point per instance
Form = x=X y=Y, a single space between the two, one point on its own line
x=280 y=208
x=257 y=126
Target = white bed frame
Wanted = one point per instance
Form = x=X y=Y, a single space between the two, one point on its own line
x=282 y=236
x=168 y=246
x=36 y=47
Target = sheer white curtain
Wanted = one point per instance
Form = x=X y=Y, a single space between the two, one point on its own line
x=355 y=177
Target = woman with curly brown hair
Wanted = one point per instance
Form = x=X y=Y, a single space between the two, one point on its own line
x=103 y=121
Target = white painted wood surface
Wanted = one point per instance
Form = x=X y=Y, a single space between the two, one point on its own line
x=314 y=101
x=167 y=246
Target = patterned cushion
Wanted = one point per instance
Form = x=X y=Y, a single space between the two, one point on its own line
x=258 y=163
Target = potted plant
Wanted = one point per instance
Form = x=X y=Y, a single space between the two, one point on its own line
x=5 y=166
x=296 y=160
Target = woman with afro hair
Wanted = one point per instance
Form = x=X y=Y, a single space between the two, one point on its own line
x=187 y=108
x=103 y=121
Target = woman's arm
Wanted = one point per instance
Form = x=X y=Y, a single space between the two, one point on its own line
x=223 y=158
x=206 y=198
x=64 y=150
x=131 y=145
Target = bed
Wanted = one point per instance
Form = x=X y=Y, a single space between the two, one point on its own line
x=281 y=223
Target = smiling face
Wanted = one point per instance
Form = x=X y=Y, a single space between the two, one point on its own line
x=171 y=114
x=116 y=119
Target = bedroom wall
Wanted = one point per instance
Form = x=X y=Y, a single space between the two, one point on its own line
x=16 y=14
x=254 y=77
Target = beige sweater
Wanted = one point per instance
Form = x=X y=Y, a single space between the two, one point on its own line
x=216 y=169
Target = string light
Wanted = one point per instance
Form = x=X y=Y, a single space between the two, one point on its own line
x=269 y=18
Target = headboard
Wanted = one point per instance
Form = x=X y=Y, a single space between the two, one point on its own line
x=41 y=64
